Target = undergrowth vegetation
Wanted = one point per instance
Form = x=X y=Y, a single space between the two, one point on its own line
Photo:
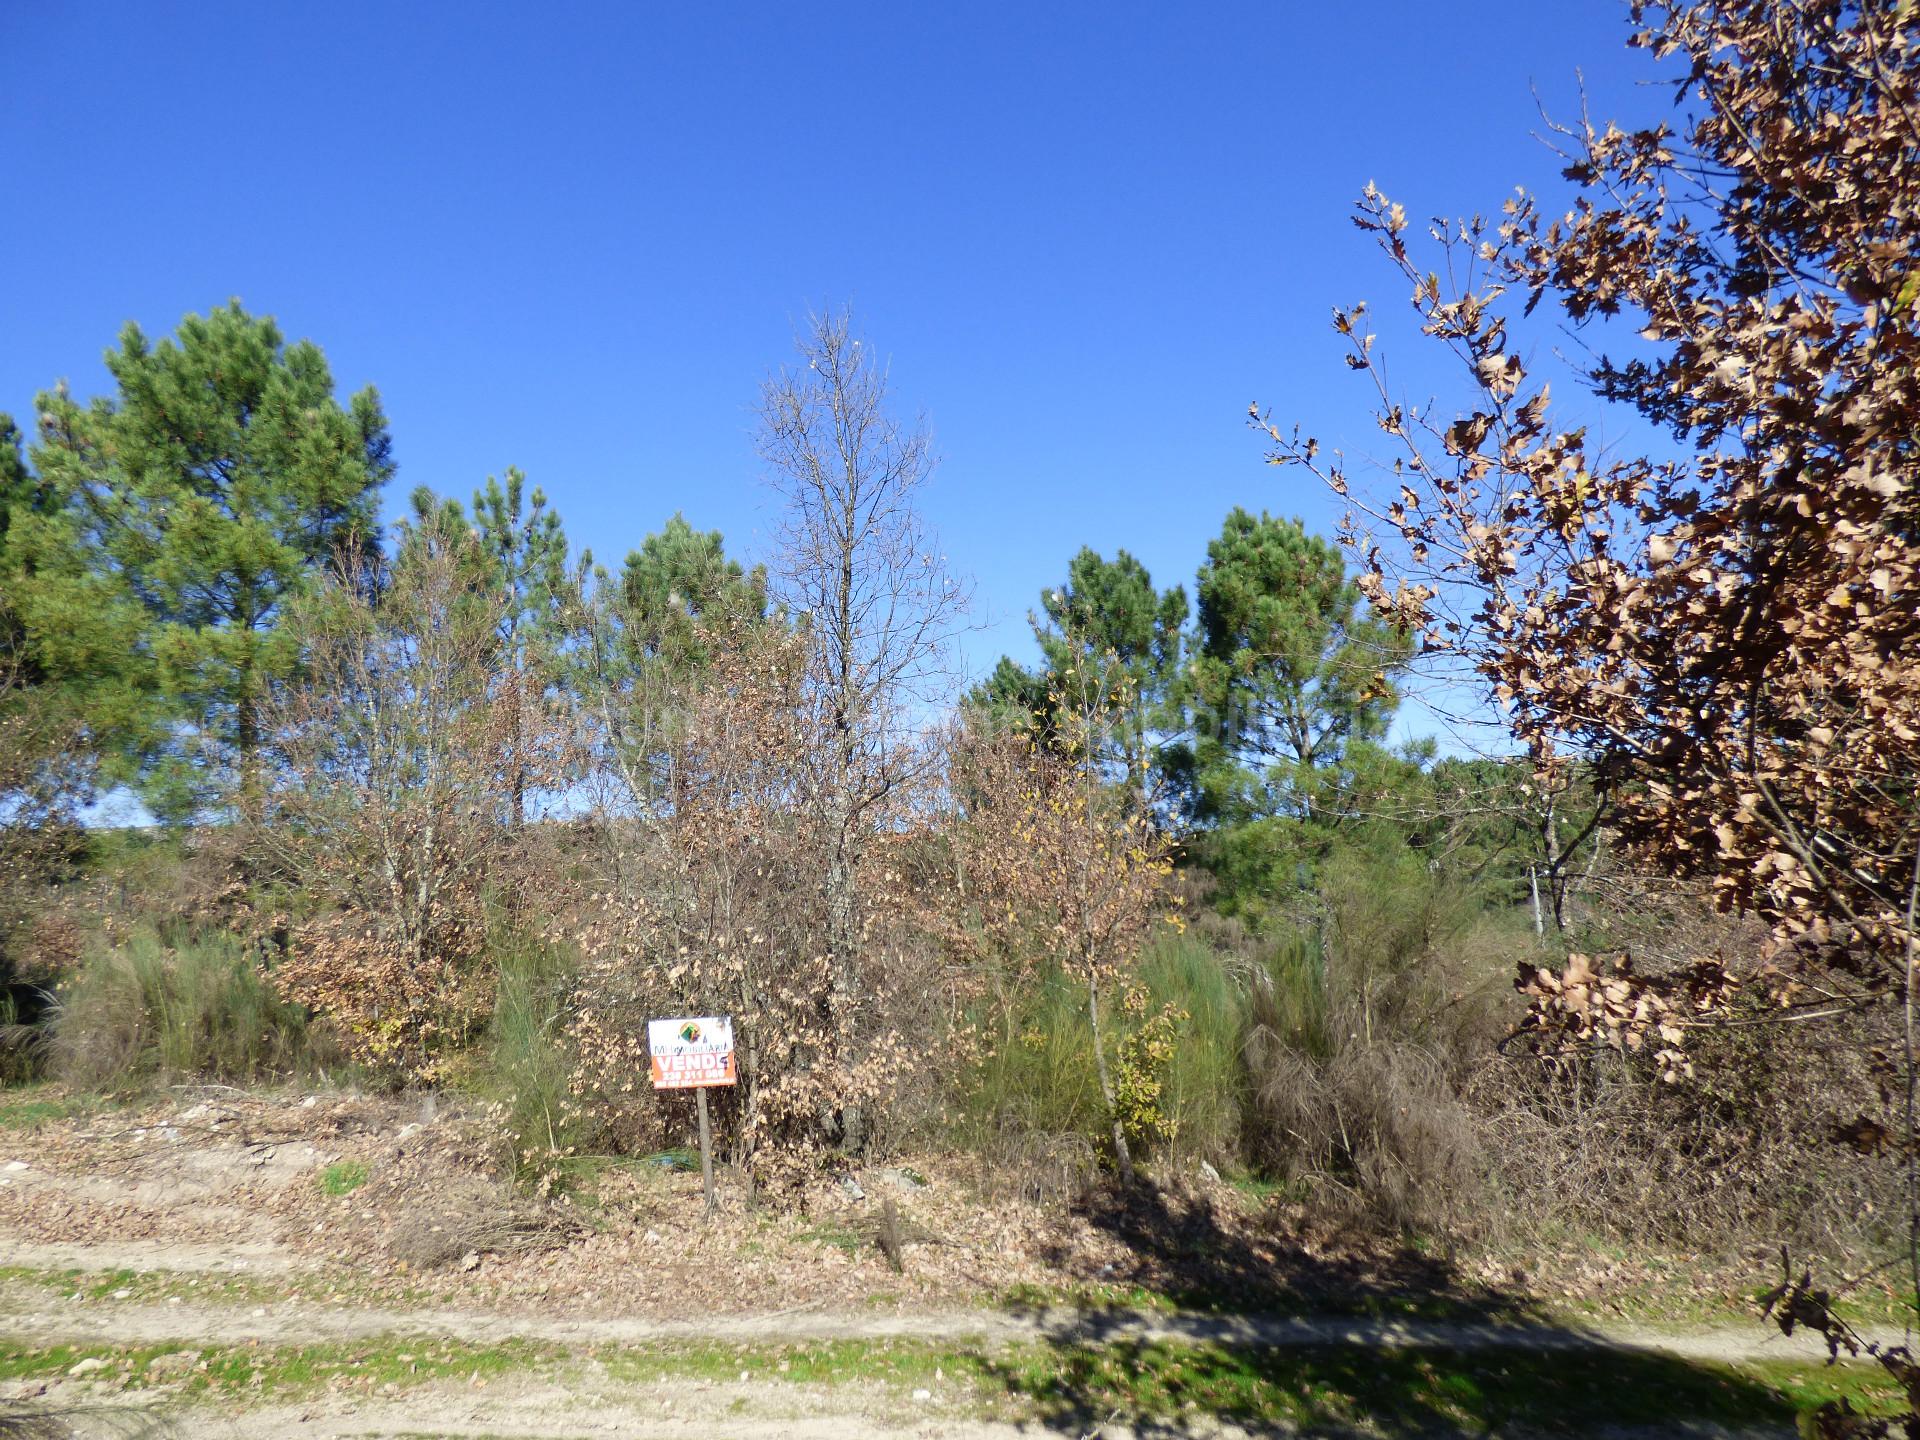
x=1345 y=1056
x=148 y=1008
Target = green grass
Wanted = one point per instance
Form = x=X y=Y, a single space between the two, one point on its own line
x=28 y=1107
x=904 y=1364
x=343 y=1177
x=1358 y=1303
x=838 y=1237
x=1260 y=1189
x=1071 y=1386
x=148 y=1287
x=1403 y=1391
x=292 y=1371
x=1670 y=1289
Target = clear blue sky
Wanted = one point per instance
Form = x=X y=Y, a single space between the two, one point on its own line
x=574 y=237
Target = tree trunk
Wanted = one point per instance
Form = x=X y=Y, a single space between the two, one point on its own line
x=247 y=742
x=1123 y=1157
x=843 y=943
x=1556 y=888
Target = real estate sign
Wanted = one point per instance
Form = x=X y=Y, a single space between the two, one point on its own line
x=691 y=1051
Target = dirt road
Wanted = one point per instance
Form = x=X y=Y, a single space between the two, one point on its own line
x=295 y=1323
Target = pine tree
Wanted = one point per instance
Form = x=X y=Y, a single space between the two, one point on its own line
x=184 y=512
x=1290 y=670
x=1106 y=620
x=1109 y=617
x=677 y=585
x=654 y=627
x=17 y=494
x=528 y=546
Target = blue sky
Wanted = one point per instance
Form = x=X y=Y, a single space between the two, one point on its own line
x=575 y=237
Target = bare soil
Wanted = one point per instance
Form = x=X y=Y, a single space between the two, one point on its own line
x=221 y=1196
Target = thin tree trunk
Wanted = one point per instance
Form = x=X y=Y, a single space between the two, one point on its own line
x=1907 y=1061
x=1556 y=891
x=843 y=940
x=1123 y=1157
x=247 y=742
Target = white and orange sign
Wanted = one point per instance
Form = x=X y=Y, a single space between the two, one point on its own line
x=690 y=1052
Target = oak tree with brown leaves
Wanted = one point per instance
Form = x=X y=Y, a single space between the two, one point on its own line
x=1727 y=626
x=861 y=572
x=709 y=902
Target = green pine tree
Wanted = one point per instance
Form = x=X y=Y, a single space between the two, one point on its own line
x=680 y=584
x=18 y=495
x=1106 y=625
x=186 y=510
x=1291 y=673
x=653 y=627
x=528 y=546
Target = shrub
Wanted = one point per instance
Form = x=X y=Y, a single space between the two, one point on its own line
x=530 y=1061
x=199 y=1007
x=1374 y=1126
x=1362 y=1035
x=400 y=1014
x=1204 y=1082
x=1176 y=1041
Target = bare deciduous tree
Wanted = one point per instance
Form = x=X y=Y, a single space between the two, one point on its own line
x=863 y=576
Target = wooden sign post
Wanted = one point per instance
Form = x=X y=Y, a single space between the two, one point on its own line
x=694 y=1053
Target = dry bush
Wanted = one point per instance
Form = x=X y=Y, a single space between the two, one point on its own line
x=46 y=945
x=1752 y=1147
x=468 y=1215
x=864 y=575
x=1736 y=1147
x=45 y=776
x=390 y=1009
x=1362 y=1039
x=1374 y=1128
x=1036 y=1167
x=403 y=756
x=712 y=901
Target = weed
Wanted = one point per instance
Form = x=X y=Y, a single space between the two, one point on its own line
x=343 y=1177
